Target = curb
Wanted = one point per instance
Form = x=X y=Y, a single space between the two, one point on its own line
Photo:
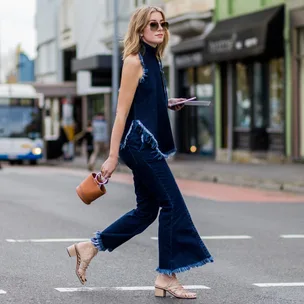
x=242 y=181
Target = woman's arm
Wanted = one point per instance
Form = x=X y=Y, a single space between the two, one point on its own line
x=131 y=73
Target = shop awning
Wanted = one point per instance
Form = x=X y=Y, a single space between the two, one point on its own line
x=260 y=33
x=100 y=67
x=61 y=89
x=97 y=62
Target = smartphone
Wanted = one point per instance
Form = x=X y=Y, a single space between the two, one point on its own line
x=184 y=101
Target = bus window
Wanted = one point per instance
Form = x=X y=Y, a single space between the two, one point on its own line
x=20 y=118
x=4 y=117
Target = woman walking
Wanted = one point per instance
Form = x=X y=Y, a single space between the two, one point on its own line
x=142 y=137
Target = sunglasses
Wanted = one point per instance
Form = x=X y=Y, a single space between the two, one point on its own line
x=154 y=26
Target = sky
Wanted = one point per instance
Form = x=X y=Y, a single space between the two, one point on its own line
x=17 y=25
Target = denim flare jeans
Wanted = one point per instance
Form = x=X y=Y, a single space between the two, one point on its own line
x=180 y=246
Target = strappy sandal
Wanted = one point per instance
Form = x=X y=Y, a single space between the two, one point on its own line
x=175 y=289
x=80 y=263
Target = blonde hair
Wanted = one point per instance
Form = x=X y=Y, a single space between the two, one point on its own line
x=138 y=22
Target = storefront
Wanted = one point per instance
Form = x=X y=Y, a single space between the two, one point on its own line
x=61 y=116
x=194 y=125
x=98 y=97
x=297 y=40
x=249 y=51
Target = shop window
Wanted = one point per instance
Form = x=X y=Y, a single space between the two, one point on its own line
x=276 y=94
x=95 y=105
x=259 y=105
x=259 y=100
x=243 y=101
x=68 y=56
x=300 y=61
x=187 y=127
x=204 y=87
x=190 y=81
x=205 y=121
x=196 y=123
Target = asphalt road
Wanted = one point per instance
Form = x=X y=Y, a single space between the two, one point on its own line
x=41 y=215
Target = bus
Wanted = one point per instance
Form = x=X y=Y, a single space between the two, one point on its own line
x=20 y=124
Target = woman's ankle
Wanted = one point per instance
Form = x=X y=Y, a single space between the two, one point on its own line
x=173 y=275
x=86 y=246
x=166 y=277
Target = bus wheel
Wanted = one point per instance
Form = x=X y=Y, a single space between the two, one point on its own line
x=12 y=162
x=19 y=162
x=33 y=162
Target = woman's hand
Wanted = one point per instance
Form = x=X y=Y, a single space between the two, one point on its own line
x=172 y=101
x=109 y=166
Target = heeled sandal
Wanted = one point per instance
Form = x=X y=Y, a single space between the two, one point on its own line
x=175 y=289
x=80 y=264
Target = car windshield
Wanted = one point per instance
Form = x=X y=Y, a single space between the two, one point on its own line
x=20 y=118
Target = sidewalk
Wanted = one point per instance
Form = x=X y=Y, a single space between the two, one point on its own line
x=282 y=177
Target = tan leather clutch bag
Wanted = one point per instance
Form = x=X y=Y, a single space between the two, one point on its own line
x=91 y=188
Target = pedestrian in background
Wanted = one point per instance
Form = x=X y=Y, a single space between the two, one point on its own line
x=100 y=139
x=142 y=137
x=88 y=137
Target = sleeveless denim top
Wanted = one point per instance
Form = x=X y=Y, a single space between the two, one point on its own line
x=148 y=118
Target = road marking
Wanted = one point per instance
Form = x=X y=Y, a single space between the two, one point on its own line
x=227 y=237
x=292 y=236
x=217 y=237
x=46 y=240
x=220 y=237
x=130 y=288
x=2 y=291
x=280 y=284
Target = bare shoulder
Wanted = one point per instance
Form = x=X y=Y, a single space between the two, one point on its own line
x=132 y=61
x=132 y=68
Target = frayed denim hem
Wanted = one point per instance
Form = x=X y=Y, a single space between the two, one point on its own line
x=97 y=242
x=186 y=268
x=147 y=137
x=145 y=70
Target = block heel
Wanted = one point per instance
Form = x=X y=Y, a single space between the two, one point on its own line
x=71 y=251
x=160 y=292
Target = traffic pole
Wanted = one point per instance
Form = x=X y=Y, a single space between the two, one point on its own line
x=115 y=60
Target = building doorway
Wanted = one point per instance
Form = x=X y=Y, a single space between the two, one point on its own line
x=195 y=123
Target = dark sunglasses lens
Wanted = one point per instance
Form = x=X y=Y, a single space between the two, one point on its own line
x=165 y=25
x=154 y=26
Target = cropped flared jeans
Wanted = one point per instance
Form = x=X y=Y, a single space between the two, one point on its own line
x=180 y=246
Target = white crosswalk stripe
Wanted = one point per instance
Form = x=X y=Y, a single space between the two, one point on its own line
x=210 y=237
x=47 y=240
x=2 y=291
x=220 y=237
x=128 y=288
x=292 y=236
x=294 y=284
